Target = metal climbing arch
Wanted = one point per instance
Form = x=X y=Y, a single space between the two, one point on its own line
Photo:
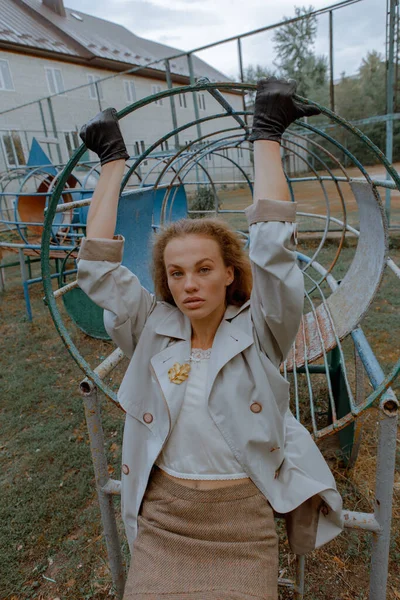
x=331 y=359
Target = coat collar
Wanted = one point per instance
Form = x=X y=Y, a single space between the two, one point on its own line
x=177 y=325
x=229 y=341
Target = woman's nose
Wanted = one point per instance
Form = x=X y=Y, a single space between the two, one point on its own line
x=190 y=283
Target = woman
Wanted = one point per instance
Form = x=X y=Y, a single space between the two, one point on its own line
x=210 y=447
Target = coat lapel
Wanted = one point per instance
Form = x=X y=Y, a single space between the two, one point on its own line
x=228 y=342
x=178 y=352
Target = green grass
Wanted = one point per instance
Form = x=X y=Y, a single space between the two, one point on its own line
x=51 y=543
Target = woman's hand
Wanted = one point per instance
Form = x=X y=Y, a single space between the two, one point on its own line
x=103 y=135
x=275 y=109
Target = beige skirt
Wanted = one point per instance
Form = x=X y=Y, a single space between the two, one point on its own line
x=217 y=544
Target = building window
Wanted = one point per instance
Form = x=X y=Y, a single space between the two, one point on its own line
x=55 y=80
x=71 y=141
x=240 y=152
x=202 y=101
x=13 y=148
x=156 y=89
x=6 y=82
x=139 y=149
x=164 y=146
x=225 y=152
x=93 y=79
x=182 y=100
x=130 y=91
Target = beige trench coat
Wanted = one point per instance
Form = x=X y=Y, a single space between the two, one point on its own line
x=273 y=448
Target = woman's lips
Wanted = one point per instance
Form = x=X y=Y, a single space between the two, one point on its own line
x=193 y=302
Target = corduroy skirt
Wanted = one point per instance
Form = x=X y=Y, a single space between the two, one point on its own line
x=218 y=544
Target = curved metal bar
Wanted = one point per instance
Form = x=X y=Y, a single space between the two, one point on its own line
x=341 y=241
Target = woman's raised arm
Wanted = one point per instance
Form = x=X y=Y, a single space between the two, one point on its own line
x=101 y=275
x=102 y=215
x=277 y=295
x=103 y=135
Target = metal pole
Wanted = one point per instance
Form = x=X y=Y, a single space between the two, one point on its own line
x=390 y=98
x=172 y=103
x=96 y=436
x=44 y=128
x=25 y=284
x=299 y=585
x=332 y=87
x=195 y=103
x=242 y=75
x=53 y=124
x=385 y=469
x=98 y=95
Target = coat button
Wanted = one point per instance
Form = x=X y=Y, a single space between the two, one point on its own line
x=256 y=407
x=125 y=469
x=147 y=417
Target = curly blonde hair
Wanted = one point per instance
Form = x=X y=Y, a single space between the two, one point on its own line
x=232 y=252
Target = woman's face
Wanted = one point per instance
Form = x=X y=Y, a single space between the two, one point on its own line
x=197 y=275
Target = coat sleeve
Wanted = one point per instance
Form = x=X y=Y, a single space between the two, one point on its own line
x=277 y=296
x=115 y=288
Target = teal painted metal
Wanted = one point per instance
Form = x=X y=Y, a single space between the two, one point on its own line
x=144 y=102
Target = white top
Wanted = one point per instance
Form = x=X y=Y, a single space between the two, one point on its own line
x=196 y=449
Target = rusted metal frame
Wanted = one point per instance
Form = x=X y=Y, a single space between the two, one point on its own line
x=392 y=265
x=239 y=46
x=339 y=347
x=359 y=399
x=358 y=520
x=221 y=146
x=203 y=152
x=25 y=287
x=96 y=437
x=112 y=487
x=102 y=370
x=194 y=94
x=325 y=359
x=172 y=101
x=333 y=178
x=390 y=96
x=309 y=385
x=371 y=365
x=146 y=153
x=299 y=585
x=54 y=126
x=188 y=160
x=385 y=470
x=311 y=140
x=349 y=228
x=149 y=172
x=325 y=233
x=65 y=289
x=78 y=203
x=331 y=83
x=216 y=94
x=182 y=151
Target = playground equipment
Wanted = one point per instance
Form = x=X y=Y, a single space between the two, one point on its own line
x=338 y=202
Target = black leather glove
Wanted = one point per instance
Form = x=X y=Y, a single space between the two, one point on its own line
x=275 y=109
x=103 y=135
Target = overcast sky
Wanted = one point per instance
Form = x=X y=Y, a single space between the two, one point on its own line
x=189 y=24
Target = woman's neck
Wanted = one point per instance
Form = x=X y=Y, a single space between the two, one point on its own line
x=204 y=330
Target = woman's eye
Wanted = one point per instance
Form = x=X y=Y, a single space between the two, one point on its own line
x=205 y=269
x=176 y=274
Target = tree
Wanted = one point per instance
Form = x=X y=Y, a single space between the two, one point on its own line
x=294 y=45
x=252 y=74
